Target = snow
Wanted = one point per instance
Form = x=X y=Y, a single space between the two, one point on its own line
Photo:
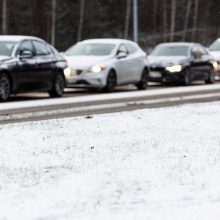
x=153 y=164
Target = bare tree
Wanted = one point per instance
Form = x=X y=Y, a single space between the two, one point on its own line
x=53 y=25
x=189 y=3
x=155 y=10
x=195 y=19
x=127 y=18
x=173 y=19
x=81 y=20
x=4 y=16
x=165 y=20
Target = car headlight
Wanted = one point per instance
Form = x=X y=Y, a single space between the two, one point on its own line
x=97 y=68
x=67 y=72
x=174 y=68
x=215 y=65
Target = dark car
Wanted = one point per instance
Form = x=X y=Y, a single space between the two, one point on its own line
x=30 y=64
x=182 y=63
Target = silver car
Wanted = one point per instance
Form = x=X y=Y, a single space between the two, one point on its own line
x=106 y=63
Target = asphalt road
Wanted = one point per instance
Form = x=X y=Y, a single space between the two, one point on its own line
x=82 y=102
x=85 y=92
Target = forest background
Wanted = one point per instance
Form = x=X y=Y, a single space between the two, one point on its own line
x=64 y=22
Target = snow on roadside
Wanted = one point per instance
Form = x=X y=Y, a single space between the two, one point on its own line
x=148 y=164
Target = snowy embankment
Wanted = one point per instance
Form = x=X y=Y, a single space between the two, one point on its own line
x=149 y=164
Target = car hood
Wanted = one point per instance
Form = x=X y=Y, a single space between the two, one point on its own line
x=164 y=61
x=3 y=58
x=85 y=62
x=215 y=55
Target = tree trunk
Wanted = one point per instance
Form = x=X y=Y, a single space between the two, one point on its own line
x=53 y=23
x=173 y=20
x=81 y=20
x=195 y=19
x=155 y=10
x=164 y=20
x=4 y=16
x=186 y=20
x=127 y=18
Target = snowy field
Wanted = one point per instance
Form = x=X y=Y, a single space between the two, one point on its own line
x=153 y=164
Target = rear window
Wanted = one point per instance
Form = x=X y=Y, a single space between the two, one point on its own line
x=41 y=48
x=131 y=48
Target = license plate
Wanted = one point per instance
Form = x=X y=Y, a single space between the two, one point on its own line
x=155 y=74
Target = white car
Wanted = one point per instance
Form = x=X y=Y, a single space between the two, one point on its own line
x=106 y=63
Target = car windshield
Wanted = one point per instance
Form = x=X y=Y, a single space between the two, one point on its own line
x=92 y=49
x=215 y=46
x=170 y=51
x=6 y=48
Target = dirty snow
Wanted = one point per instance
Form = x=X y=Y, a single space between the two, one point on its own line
x=153 y=164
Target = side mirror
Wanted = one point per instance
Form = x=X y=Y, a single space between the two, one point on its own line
x=121 y=55
x=25 y=54
x=197 y=55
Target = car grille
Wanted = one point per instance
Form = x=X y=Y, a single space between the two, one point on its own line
x=160 y=69
x=78 y=72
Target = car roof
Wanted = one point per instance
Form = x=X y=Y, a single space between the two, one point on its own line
x=17 y=38
x=107 y=41
x=189 y=44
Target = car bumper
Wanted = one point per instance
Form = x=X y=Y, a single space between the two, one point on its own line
x=217 y=69
x=162 y=75
x=87 y=80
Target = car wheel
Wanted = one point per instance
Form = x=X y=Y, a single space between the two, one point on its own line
x=110 y=82
x=144 y=80
x=187 y=79
x=5 y=87
x=211 y=78
x=58 y=86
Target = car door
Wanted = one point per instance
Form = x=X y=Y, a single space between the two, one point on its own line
x=205 y=70
x=136 y=61
x=199 y=63
x=123 y=65
x=45 y=61
x=26 y=78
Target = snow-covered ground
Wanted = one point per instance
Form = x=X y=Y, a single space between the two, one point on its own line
x=153 y=164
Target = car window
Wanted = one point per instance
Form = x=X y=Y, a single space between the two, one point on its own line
x=131 y=48
x=6 y=48
x=26 y=46
x=41 y=48
x=122 y=48
x=215 y=46
x=51 y=48
x=200 y=49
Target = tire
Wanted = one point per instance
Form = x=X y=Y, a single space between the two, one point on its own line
x=187 y=80
x=211 y=78
x=5 y=87
x=111 y=82
x=58 y=86
x=142 y=85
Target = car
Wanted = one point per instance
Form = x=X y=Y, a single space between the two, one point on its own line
x=214 y=50
x=181 y=62
x=29 y=64
x=106 y=63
